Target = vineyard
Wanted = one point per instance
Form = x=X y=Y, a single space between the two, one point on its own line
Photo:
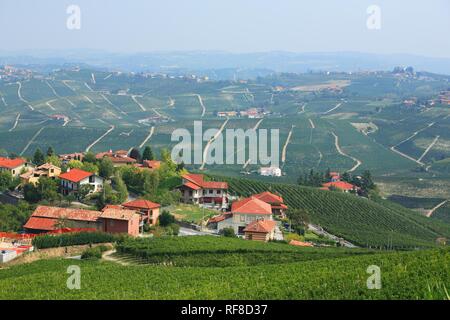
x=404 y=275
x=363 y=222
x=208 y=251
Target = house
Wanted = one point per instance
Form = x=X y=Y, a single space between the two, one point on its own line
x=260 y=230
x=148 y=210
x=341 y=185
x=46 y=170
x=196 y=190
x=66 y=158
x=118 y=158
x=275 y=201
x=14 y=166
x=270 y=171
x=149 y=164
x=245 y=211
x=335 y=176
x=120 y=221
x=74 y=179
x=111 y=220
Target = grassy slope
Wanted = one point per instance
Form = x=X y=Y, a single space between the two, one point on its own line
x=407 y=275
x=362 y=221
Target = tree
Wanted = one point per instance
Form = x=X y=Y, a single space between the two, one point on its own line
x=135 y=154
x=13 y=217
x=228 y=232
x=5 y=180
x=54 y=160
x=151 y=182
x=106 y=168
x=38 y=157
x=50 y=152
x=48 y=189
x=166 y=218
x=75 y=164
x=85 y=189
x=90 y=157
x=31 y=194
x=121 y=188
x=148 y=153
x=89 y=167
x=299 y=219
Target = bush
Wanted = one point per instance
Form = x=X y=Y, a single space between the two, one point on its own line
x=228 y=232
x=166 y=219
x=73 y=239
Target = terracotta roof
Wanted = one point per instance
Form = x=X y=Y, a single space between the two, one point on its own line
x=261 y=226
x=220 y=217
x=251 y=206
x=339 y=185
x=120 y=156
x=118 y=214
x=269 y=197
x=198 y=179
x=11 y=163
x=301 y=243
x=37 y=223
x=192 y=186
x=152 y=164
x=141 y=204
x=47 y=166
x=75 y=175
x=67 y=213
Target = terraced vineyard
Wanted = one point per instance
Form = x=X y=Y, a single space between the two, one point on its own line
x=364 y=222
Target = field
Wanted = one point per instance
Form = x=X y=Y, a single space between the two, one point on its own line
x=404 y=275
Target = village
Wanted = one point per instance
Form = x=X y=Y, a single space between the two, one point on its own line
x=85 y=192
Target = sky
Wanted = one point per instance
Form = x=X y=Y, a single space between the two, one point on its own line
x=406 y=26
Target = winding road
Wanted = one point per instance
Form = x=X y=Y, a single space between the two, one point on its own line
x=339 y=150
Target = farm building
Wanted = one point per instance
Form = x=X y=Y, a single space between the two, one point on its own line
x=118 y=158
x=148 y=210
x=260 y=230
x=149 y=164
x=74 y=179
x=270 y=171
x=46 y=170
x=275 y=201
x=341 y=185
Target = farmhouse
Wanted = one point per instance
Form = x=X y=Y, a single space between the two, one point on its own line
x=118 y=158
x=341 y=185
x=275 y=201
x=149 y=211
x=66 y=158
x=112 y=220
x=74 y=179
x=149 y=164
x=260 y=230
x=270 y=171
x=244 y=212
x=195 y=189
x=46 y=170
x=14 y=166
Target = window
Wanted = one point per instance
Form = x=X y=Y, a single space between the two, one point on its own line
x=91 y=179
x=242 y=218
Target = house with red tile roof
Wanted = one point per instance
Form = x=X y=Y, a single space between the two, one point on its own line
x=276 y=202
x=195 y=189
x=149 y=164
x=118 y=158
x=15 y=166
x=260 y=230
x=244 y=212
x=74 y=179
x=46 y=218
x=341 y=185
x=149 y=211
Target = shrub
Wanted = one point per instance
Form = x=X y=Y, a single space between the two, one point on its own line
x=228 y=232
x=72 y=239
x=166 y=219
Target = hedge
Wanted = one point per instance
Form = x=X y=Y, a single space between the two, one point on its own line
x=73 y=239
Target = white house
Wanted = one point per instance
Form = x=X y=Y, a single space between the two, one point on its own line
x=73 y=179
x=15 y=166
x=270 y=171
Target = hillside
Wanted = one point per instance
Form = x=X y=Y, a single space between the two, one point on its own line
x=364 y=222
x=406 y=275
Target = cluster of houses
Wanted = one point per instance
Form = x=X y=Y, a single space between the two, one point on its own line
x=252 y=113
x=336 y=182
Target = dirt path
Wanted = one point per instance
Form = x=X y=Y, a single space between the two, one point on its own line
x=48 y=103
x=93 y=78
x=200 y=100
x=312 y=124
x=283 y=153
x=53 y=89
x=428 y=149
x=32 y=140
x=3 y=99
x=100 y=138
x=112 y=104
x=254 y=128
x=152 y=130
x=302 y=109
x=406 y=156
x=334 y=108
x=19 y=94
x=15 y=122
x=171 y=102
x=138 y=103
x=205 y=152
x=65 y=83
x=108 y=76
x=339 y=150
x=430 y=213
x=87 y=86
x=108 y=256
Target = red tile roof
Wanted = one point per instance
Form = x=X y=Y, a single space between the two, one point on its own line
x=75 y=175
x=192 y=186
x=67 y=213
x=339 y=185
x=261 y=226
x=141 y=204
x=152 y=164
x=11 y=163
x=301 y=243
x=269 y=197
x=118 y=214
x=37 y=223
x=251 y=206
x=220 y=217
x=198 y=179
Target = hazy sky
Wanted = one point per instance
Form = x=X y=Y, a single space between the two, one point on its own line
x=407 y=26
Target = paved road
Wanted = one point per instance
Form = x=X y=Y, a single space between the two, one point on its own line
x=318 y=230
x=190 y=232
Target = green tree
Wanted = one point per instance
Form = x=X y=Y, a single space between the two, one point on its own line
x=106 y=168
x=148 y=153
x=299 y=219
x=135 y=154
x=151 y=181
x=5 y=180
x=38 y=157
x=89 y=167
x=90 y=157
x=54 y=160
x=121 y=188
x=165 y=218
x=48 y=188
x=228 y=232
x=50 y=152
